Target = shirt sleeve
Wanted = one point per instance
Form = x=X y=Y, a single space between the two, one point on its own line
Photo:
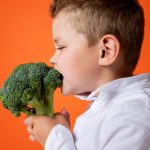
x=60 y=138
x=126 y=129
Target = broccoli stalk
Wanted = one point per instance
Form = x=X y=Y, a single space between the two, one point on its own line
x=30 y=89
x=42 y=107
x=49 y=99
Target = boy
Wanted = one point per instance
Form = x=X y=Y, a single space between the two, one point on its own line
x=98 y=44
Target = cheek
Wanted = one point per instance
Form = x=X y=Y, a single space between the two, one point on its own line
x=78 y=69
x=88 y=66
x=70 y=66
x=67 y=64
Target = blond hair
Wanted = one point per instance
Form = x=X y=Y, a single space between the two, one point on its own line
x=96 y=18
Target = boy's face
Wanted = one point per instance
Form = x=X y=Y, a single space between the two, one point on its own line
x=77 y=62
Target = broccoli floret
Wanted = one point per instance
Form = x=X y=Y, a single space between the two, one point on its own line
x=30 y=89
x=52 y=80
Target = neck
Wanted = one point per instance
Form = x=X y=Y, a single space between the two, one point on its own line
x=109 y=76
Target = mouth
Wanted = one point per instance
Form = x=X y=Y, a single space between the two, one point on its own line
x=59 y=72
x=60 y=77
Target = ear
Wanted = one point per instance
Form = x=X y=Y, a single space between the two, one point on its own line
x=109 y=50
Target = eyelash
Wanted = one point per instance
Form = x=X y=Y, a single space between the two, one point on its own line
x=60 y=48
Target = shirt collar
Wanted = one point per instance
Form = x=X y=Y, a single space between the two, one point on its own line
x=118 y=84
x=92 y=96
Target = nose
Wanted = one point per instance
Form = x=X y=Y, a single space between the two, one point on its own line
x=53 y=59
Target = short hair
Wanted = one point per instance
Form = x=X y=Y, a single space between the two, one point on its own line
x=96 y=18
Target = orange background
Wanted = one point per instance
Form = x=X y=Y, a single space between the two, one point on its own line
x=25 y=36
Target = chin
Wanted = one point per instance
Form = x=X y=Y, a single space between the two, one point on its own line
x=66 y=91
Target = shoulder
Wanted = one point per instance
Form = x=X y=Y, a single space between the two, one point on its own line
x=124 y=124
x=129 y=118
x=130 y=111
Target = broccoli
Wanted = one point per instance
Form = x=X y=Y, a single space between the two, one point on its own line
x=30 y=89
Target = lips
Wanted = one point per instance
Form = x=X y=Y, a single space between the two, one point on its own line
x=57 y=69
x=61 y=76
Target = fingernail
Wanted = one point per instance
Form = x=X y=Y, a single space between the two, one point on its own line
x=25 y=122
x=62 y=110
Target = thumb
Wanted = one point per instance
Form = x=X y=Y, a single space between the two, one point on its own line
x=29 y=121
x=65 y=114
x=63 y=111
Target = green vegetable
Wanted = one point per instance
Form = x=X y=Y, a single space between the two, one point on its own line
x=30 y=89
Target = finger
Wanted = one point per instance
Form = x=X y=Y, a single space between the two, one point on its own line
x=68 y=118
x=63 y=111
x=59 y=116
x=32 y=138
x=29 y=121
x=30 y=130
x=65 y=114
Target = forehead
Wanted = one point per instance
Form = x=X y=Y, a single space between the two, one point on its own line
x=60 y=25
x=63 y=30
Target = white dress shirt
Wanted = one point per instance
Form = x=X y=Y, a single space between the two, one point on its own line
x=118 y=119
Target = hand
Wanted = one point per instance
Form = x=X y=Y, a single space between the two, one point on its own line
x=39 y=127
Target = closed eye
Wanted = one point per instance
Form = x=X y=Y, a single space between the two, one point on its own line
x=60 y=48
